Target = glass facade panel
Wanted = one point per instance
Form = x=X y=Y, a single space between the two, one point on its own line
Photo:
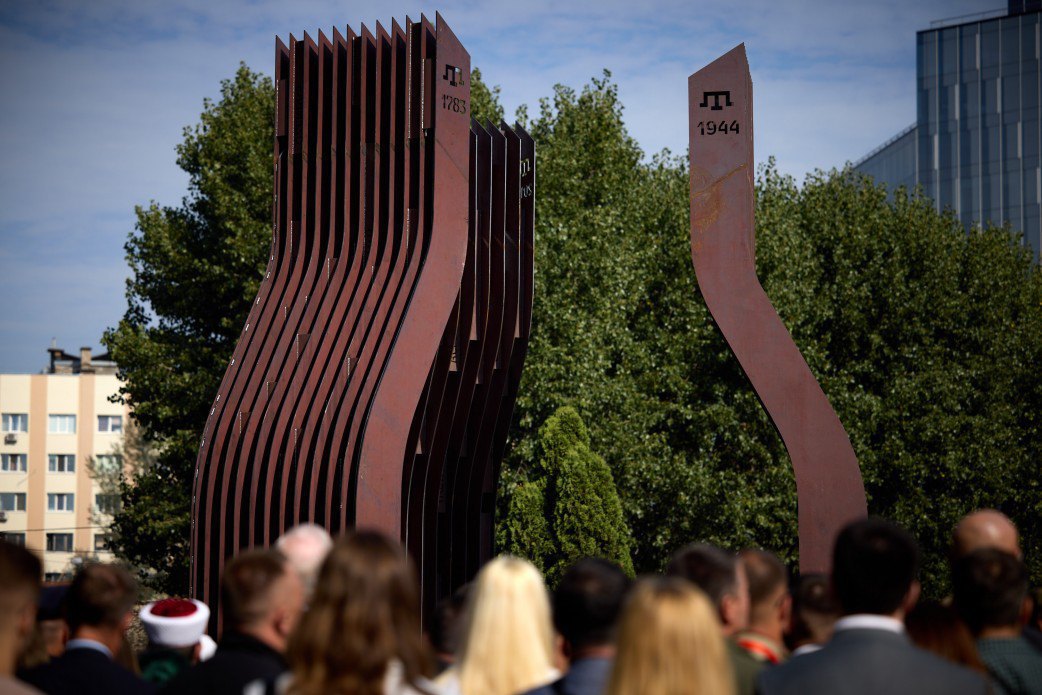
x=977 y=144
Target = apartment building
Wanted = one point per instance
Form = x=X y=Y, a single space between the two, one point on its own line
x=56 y=427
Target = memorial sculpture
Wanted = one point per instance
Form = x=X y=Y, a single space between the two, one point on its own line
x=374 y=381
x=829 y=488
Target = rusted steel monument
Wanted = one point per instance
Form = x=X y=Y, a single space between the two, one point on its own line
x=375 y=378
x=723 y=248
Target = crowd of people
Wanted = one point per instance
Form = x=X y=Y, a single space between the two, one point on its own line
x=314 y=615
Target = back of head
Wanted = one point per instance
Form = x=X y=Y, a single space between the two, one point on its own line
x=936 y=628
x=669 y=642
x=587 y=602
x=508 y=643
x=248 y=587
x=19 y=588
x=814 y=611
x=989 y=588
x=873 y=566
x=768 y=579
x=985 y=528
x=447 y=623
x=709 y=568
x=100 y=596
x=20 y=573
x=305 y=547
x=364 y=613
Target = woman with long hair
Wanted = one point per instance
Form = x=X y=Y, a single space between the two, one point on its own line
x=508 y=639
x=361 y=633
x=937 y=628
x=669 y=643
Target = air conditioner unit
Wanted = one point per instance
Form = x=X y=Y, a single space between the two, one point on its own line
x=10 y=438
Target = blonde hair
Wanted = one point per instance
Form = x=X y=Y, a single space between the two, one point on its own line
x=508 y=643
x=670 y=643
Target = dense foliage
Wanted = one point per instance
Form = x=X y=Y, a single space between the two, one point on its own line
x=569 y=508
x=194 y=270
x=926 y=340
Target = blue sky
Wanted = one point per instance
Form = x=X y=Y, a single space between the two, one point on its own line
x=95 y=96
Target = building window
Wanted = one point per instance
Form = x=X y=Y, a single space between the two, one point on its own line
x=109 y=464
x=102 y=542
x=61 y=424
x=53 y=577
x=60 y=501
x=59 y=542
x=61 y=463
x=110 y=423
x=14 y=422
x=13 y=463
x=12 y=501
x=13 y=538
x=106 y=503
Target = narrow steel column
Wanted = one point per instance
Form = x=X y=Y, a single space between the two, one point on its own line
x=723 y=248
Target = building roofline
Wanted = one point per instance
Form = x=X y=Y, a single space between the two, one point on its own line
x=888 y=143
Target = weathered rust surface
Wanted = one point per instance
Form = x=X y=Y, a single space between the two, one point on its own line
x=723 y=248
x=370 y=383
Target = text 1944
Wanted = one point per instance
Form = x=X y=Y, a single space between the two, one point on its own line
x=714 y=127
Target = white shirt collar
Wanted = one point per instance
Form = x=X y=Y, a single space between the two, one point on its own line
x=83 y=643
x=867 y=621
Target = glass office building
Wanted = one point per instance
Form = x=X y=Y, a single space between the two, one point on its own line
x=975 y=146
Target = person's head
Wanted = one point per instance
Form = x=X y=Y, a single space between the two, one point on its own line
x=100 y=603
x=364 y=613
x=262 y=596
x=720 y=576
x=990 y=590
x=587 y=602
x=985 y=528
x=20 y=581
x=447 y=624
x=814 y=611
x=874 y=565
x=508 y=642
x=176 y=624
x=50 y=619
x=936 y=628
x=769 y=602
x=669 y=643
x=305 y=547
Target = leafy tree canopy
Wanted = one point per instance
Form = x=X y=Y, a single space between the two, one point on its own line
x=194 y=271
x=926 y=340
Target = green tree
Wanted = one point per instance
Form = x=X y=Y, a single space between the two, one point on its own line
x=925 y=339
x=194 y=271
x=569 y=508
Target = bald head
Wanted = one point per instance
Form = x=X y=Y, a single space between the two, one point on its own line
x=985 y=528
x=305 y=547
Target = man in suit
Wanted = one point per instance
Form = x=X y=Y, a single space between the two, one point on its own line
x=991 y=597
x=98 y=609
x=770 y=606
x=722 y=577
x=586 y=607
x=874 y=565
x=262 y=598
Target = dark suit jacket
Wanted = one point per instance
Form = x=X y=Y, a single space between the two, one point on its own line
x=868 y=661
x=240 y=659
x=584 y=677
x=85 y=672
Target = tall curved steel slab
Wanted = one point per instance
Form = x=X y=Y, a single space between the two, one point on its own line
x=828 y=480
x=349 y=396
